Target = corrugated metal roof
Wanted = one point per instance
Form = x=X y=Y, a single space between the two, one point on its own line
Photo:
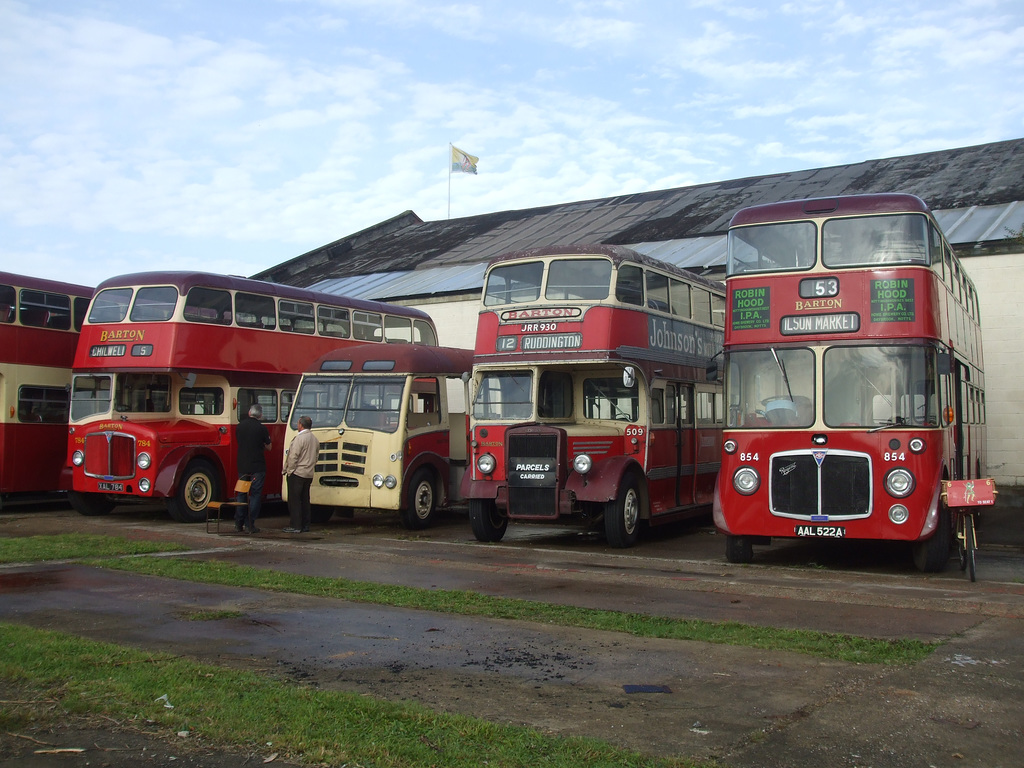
x=972 y=186
x=963 y=226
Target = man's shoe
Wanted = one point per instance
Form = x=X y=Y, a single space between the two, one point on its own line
x=290 y=530
x=251 y=529
x=304 y=530
x=239 y=527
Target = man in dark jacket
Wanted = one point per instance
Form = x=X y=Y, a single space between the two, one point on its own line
x=253 y=440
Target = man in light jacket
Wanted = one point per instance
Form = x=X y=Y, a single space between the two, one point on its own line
x=299 y=460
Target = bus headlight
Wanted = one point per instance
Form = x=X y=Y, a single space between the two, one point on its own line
x=899 y=514
x=144 y=461
x=730 y=446
x=899 y=482
x=582 y=463
x=378 y=481
x=486 y=463
x=144 y=485
x=78 y=458
x=916 y=445
x=390 y=482
x=746 y=480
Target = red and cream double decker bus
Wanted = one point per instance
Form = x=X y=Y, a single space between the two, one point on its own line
x=168 y=362
x=391 y=421
x=39 y=323
x=853 y=375
x=590 y=401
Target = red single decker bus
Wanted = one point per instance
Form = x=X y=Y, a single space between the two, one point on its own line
x=853 y=375
x=590 y=399
x=167 y=364
x=39 y=324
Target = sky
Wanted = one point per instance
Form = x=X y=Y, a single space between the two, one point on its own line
x=233 y=135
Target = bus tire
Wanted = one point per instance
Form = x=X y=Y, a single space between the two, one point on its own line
x=320 y=513
x=487 y=522
x=421 y=505
x=739 y=549
x=90 y=504
x=197 y=488
x=622 y=515
x=932 y=554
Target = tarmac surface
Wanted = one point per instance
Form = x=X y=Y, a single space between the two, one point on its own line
x=962 y=706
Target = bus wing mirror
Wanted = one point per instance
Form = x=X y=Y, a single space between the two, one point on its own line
x=711 y=372
x=628 y=376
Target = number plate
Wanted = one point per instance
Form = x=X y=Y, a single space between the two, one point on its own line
x=827 y=531
x=111 y=486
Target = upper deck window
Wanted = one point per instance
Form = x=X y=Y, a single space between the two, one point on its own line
x=208 y=305
x=110 y=305
x=514 y=283
x=629 y=287
x=397 y=329
x=367 y=326
x=333 y=322
x=297 y=317
x=7 y=303
x=154 y=304
x=255 y=311
x=871 y=240
x=772 y=247
x=42 y=309
x=423 y=333
x=578 y=280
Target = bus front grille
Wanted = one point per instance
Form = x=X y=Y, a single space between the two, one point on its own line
x=532 y=474
x=833 y=484
x=110 y=455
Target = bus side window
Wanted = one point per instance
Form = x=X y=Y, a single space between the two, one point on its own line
x=424 y=404
x=658 y=406
x=629 y=287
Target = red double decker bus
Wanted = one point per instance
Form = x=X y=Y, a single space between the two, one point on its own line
x=39 y=324
x=590 y=401
x=853 y=375
x=168 y=362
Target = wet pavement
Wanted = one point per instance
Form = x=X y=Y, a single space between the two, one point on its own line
x=744 y=707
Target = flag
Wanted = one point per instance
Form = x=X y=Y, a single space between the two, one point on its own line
x=463 y=163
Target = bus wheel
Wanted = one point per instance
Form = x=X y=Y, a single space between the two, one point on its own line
x=622 y=515
x=198 y=487
x=931 y=555
x=419 y=509
x=90 y=504
x=487 y=522
x=739 y=549
x=320 y=513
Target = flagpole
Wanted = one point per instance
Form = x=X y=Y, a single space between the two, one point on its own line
x=449 y=180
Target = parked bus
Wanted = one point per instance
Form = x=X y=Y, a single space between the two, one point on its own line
x=853 y=375
x=590 y=401
x=391 y=422
x=39 y=324
x=167 y=364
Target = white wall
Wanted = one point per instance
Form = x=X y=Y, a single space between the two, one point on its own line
x=1000 y=283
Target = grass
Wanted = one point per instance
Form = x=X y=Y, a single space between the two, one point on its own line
x=72 y=546
x=220 y=706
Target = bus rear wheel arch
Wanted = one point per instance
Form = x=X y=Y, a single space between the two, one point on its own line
x=421 y=505
x=196 y=489
x=488 y=523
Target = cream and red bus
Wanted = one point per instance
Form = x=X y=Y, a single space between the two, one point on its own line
x=168 y=362
x=853 y=376
x=39 y=324
x=391 y=422
x=589 y=399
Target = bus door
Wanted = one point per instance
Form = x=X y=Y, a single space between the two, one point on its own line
x=961 y=375
x=681 y=396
